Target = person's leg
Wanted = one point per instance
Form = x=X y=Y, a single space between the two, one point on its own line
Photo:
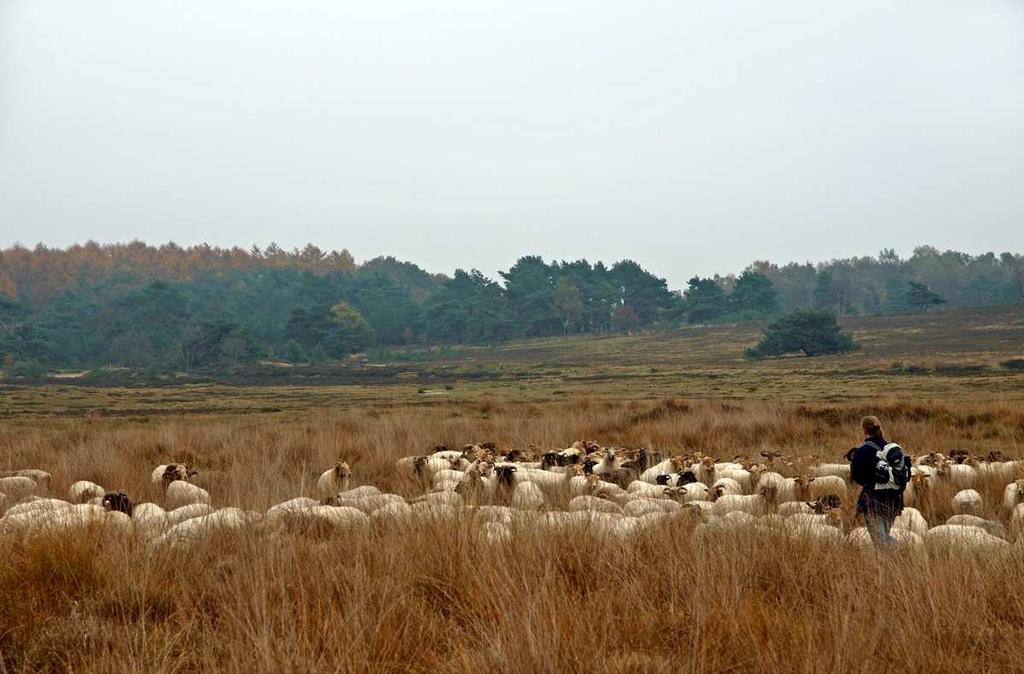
x=885 y=528
x=878 y=528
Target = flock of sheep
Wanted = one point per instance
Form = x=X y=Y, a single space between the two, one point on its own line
x=584 y=489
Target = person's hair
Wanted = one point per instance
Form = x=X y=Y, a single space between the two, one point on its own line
x=871 y=425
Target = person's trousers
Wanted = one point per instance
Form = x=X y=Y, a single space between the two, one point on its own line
x=879 y=526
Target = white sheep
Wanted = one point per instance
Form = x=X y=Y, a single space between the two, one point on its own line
x=40 y=504
x=727 y=485
x=645 y=489
x=1017 y=522
x=527 y=496
x=290 y=506
x=828 y=485
x=928 y=471
x=367 y=503
x=332 y=481
x=608 y=463
x=78 y=516
x=441 y=498
x=958 y=475
x=83 y=490
x=833 y=519
x=187 y=512
x=1013 y=495
x=593 y=503
x=166 y=473
x=394 y=512
x=340 y=517
x=149 y=518
x=967 y=502
x=995 y=528
x=918 y=490
x=445 y=485
x=769 y=479
x=17 y=487
x=196 y=528
x=751 y=504
x=645 y=506
x=963 y=537
x=912 y=520
x=448 y=475
x=790 y=508
x=42 y=479
x=423 y=467
x=999 y=471
x=742 y=476
x=181 y=493
x=674 y=465
x=905 y=537
x=840 y=470
x=705 y=471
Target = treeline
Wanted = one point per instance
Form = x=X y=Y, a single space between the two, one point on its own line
x=170 y=308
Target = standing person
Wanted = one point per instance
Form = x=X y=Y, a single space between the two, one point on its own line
x=883 y=474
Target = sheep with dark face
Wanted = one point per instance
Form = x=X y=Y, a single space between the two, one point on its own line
x=118 y=501
x=165 y=474
x=506 y=475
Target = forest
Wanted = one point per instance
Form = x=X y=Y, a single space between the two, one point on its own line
x=170 y=308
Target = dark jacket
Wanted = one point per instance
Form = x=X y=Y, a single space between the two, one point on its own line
x=885 y=502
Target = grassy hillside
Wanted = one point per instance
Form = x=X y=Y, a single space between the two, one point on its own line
x=954 y=355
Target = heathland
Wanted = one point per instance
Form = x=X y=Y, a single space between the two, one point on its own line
x=436 y=598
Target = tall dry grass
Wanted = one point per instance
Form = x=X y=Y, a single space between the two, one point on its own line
x=439 y=599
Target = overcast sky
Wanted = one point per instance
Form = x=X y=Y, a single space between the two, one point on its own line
x=694 y=137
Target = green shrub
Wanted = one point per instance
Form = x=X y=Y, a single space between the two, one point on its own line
x=813 y=333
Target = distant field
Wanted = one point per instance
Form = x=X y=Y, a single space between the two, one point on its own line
x=954 y=355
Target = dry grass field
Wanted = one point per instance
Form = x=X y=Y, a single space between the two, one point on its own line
x=438 y=598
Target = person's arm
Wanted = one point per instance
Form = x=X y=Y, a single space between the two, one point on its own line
x=862 y=466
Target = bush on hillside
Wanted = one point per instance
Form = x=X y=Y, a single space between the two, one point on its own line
x=813 y=333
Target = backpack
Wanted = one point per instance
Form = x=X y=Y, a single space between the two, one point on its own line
x=892 y=469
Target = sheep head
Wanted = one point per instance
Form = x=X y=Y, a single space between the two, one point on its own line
x=674 y=493
x=769 y=492
x=665 y=479
x=551 y=459
x=176 y=471
x=505 y=474
x=341 y=470
x=680 y=462
x=708 y=462
x=514 y=455
x=920 y=482
x=803 y=484
x=717 y=493
x=118 y=501
x=687 y=477
x=461 y=463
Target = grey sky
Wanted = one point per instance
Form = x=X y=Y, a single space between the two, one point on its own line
x=693 y=137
